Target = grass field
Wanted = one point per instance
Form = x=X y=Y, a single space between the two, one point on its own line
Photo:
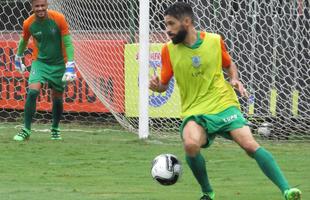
x=93 y=163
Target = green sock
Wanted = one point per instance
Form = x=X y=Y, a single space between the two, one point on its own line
x=30 y=107
x=198 y=167
x=270 y=168
x=57 y=111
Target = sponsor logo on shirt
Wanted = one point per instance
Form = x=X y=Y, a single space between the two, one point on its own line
x=37 y=34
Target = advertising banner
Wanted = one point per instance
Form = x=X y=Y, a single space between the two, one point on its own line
x=165 y=104
x=78 y=96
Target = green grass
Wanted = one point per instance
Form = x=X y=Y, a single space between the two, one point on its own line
x=96 y=164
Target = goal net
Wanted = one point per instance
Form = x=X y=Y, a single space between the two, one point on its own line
x=268 y=40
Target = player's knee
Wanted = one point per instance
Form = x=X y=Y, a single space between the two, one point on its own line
x=33 y=94
x=57 y=95
x=35 y=86
x=191 y=148
x=250 y=147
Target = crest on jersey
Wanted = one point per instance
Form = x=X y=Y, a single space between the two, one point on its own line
x=196 y=61
x=53 y=30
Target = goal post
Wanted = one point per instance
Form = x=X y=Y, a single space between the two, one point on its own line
x=118 y=45
x=144 y=31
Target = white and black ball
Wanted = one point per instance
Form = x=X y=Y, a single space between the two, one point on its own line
x=166 y=169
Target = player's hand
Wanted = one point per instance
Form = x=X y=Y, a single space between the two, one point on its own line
x=70 y=74
x=239 y=87
x=154 y=83
x=19 y=65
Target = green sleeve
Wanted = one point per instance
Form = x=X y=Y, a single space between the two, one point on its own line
x=69 y=47
x=21 y=46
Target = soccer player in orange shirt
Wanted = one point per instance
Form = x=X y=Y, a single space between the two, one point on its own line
x=209 y=104
x=52 y=62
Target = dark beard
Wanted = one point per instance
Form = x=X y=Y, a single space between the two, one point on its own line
x=180 y=36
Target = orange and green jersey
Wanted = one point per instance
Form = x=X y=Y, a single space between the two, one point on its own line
x=48 y=37
x=199 y=74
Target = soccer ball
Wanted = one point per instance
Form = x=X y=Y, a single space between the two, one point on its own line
x=265 y=129
x=166 y=169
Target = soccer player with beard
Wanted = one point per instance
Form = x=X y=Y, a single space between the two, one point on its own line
x=209 y=104
x=52 y=62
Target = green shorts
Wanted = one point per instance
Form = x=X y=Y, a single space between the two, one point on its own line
x=51 y=74
x=217 y=124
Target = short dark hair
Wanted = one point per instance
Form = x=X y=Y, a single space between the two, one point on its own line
x=31 y=1
x=180 y=9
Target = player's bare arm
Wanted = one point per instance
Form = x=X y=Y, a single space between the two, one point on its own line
x=234 y=79
x=156 y=86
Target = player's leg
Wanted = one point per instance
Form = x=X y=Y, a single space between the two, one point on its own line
x=54 y=76
x=29 y=111
x=265 y=160
x=57 y=111
x=194 y=136
x=36 y=79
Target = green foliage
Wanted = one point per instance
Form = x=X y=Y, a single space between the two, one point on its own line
x=93 y=163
